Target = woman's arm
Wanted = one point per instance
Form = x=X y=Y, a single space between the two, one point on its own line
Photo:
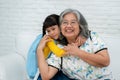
x=100 y=59
x=47 y=72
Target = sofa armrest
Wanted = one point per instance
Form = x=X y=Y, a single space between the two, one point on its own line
x=12 y=67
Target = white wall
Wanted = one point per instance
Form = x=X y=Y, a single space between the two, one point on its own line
x=16 y=16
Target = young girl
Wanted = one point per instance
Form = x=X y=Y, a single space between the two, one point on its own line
x=51 y=30
x=51 y=26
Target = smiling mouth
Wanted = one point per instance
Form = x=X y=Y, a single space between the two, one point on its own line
x=69 y=30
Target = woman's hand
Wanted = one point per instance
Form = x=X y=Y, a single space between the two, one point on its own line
x=71 y=49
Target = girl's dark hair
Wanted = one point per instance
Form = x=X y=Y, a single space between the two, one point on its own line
x=50 y=20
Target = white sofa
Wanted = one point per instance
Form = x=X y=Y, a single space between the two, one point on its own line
x=13 y=66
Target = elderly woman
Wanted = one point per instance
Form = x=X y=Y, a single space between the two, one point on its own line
x=86 y=56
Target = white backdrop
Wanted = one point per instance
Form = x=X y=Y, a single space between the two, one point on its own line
x=16 y=16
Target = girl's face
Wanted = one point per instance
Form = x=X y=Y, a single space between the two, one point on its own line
x=70 y=26
x=53 y=31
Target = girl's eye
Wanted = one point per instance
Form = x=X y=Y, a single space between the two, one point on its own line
x=48 y=31
x=53 y=29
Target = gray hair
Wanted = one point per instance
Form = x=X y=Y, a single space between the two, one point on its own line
x=84 y=31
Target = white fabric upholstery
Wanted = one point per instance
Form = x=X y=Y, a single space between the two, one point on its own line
x=13 y=66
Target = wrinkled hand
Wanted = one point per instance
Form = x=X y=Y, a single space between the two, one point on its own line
x=71 y=49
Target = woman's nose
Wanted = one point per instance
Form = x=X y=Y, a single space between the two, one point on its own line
x=69 y=25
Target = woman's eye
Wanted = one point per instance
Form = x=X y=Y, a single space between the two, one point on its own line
x=72 y=22
x=65 y=23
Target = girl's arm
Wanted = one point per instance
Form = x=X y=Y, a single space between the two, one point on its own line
x=47 y=72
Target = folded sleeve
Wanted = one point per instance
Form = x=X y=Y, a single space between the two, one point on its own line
x=98 y=42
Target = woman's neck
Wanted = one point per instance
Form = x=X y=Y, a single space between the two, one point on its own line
x=71 y=40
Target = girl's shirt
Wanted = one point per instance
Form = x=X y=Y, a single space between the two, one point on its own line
x=76 y=68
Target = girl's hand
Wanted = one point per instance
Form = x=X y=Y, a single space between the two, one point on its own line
x=80 y=40
x=43 y=42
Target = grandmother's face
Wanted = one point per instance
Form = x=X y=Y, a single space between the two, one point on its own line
x=70 y=26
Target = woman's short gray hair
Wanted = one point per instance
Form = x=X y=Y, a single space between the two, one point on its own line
x=84 y=31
